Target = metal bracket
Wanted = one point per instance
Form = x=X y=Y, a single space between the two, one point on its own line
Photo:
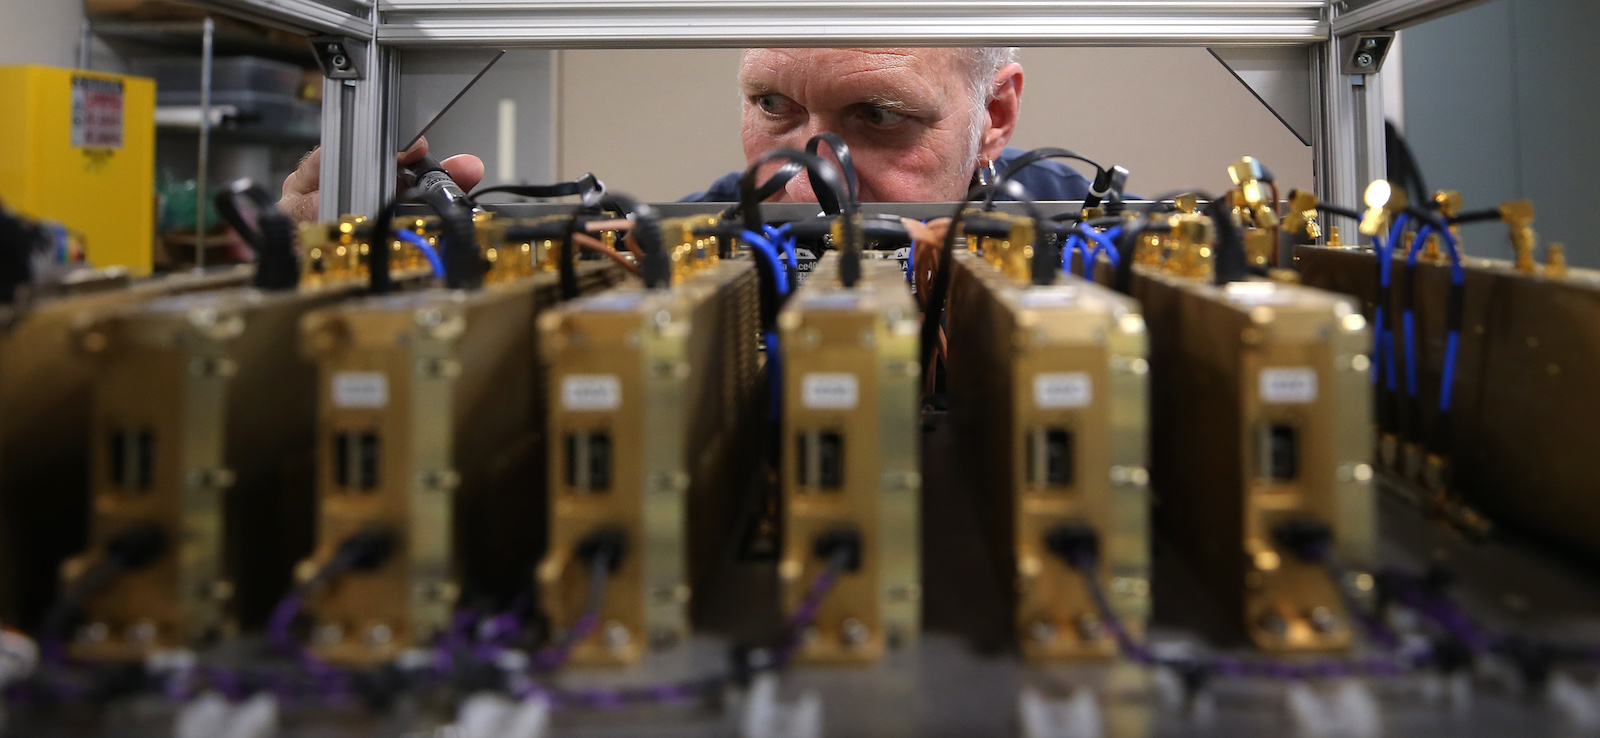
x=340 y=57
x=1363 y=53
x=1279 y=77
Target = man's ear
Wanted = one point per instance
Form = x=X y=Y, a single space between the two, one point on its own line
x=1005 y=103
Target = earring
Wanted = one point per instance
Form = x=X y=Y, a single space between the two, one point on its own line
x=986 y=174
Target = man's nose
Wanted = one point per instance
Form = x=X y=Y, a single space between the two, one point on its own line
x=799 y=188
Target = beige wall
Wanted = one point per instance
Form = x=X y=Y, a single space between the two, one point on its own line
x=1175 y=117
x=659 y=124
x=40 y=32
x=655 y=124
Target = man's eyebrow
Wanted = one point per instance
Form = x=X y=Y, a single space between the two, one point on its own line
x=755 y=88
x=893 y=104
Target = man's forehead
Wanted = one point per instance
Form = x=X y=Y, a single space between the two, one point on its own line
x=934 y=65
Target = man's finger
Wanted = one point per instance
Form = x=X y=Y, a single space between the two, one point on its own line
x=465 y=169
x=415 y=153
x=307 y=177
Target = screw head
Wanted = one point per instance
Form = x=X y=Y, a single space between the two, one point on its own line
x=1274 y=624
x=1090 y=628
x=329 y=634
x=142 y=633
x=94 y=633
x=853 y=632
x=379 y=635
x=616 y=635
x=1324 y=620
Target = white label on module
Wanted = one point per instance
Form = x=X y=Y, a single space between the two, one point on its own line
x=831 y=391
x=1055 y=391
x=360 y=390
x=1289 y=385
x=591 y=392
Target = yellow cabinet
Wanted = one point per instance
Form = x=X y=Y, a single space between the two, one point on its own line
x=83 y=147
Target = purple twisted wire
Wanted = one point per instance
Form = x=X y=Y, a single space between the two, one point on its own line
x=1382 y=665
x=804 y=615
x=604 y=698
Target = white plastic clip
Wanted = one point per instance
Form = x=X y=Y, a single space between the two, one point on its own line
x=213 y=716
x=488 y=715
x=1077 y=716
x=1345 y=709
x=765 y=717
x=1199 y=706
x=1579 y=704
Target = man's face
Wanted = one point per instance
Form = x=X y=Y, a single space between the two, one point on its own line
x=906 y=114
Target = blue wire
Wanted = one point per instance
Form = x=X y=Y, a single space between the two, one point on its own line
x=1453 y=337
x=1384 y=340
x=774 y=375
x=1408 y=318
x=61 y=255
x=1458 y=278
x=760 y=245
x=427 y=249
x=1103 y=243
x=1074 y=242
x=1452 y=344
x=780 y=236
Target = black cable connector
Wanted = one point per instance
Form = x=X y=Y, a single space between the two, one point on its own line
x=606 y=545
x=137 y=548
x=844 y=543
x=272 y=237
x=1076 y=543
x=1307 y=538
x=365 y=550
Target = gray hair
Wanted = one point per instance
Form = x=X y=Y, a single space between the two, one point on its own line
x=982 y=64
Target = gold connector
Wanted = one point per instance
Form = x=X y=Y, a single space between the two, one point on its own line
x=1518 y=217
x=1555 y=260
x=1383 y=201
x=1302 y=215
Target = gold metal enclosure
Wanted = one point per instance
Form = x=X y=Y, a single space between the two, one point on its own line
x=850 y=457
x=203 y=421
x=1261 y=415
x=654 y=420
x=428 y=424
x=1048 y=400
x=44 y=428
x=1523 y=404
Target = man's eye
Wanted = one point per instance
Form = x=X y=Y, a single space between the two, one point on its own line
x=877 y=116
x=772 y=104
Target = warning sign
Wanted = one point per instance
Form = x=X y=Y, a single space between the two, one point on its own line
x=96 y=113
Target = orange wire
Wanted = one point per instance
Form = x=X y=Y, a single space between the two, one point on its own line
x=633 y=247
x=593 y=244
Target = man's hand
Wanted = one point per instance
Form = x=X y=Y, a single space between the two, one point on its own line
x=300 y=189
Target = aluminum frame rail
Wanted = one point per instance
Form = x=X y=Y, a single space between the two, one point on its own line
x=358 y=174
x=737 y=23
